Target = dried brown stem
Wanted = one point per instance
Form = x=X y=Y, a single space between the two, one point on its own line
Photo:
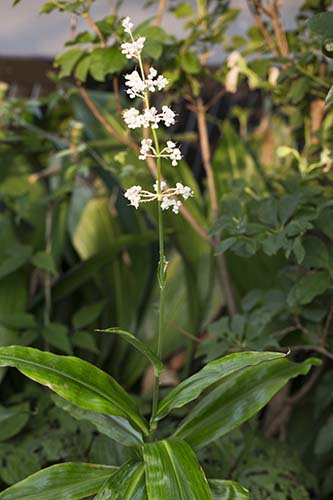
x=265 y=33
x=95 y=28
x=161 y=9
x=206 y=159
x=315 y=348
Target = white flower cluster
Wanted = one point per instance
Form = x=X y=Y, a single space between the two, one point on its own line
x=137 y=86
x=167 y=196
x=149 y=118
x=171 y=151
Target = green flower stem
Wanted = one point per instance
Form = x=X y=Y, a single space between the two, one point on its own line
x=162 y=265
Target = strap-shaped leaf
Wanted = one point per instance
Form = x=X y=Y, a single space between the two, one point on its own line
x=60 y=482
x=173 y=472
x=213 y=372
x=76 y=380
x=117 y=428
x=237 y=398
x=128 y=483
x=227 y=490
x=140 y=346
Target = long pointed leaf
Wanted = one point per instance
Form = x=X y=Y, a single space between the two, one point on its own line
x=217 y=370
x=75 y=380
x=117 y=428
x=127 y=483
x=140 y=346
x=173 y=472
x=60 y=482
x=227 y=490
x=237 y=398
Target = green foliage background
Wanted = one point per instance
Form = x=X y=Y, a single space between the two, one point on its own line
x=75 y=257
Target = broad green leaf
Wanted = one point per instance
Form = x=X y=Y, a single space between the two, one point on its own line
x=87 y=314
x=140 y=346
x=19 y=256
x=116 y=428
x=56 y=335
x=227 y=490
x=173 y=472
x=68 y=481
x=104 y=61
x=127 y=483
x=237 y=398
x=44 y=261
x=76 y=380
x=85 y=340
x=190 y=63
x=13 y=419
x=321 y=23
x=309 y=287
x=213 y=372
x=67 y=61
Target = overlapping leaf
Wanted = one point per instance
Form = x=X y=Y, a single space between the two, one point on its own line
x=75 y=380
x=237 y=398
x=173 y=472
x=140 y=346
x=227 y=490
x=128 y=483
x=213 y=372
x=68 y=481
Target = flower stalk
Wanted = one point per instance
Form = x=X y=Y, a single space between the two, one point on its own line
x=140 y=84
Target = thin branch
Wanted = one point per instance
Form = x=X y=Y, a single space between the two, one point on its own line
x=161 y=9
x=315 y=348
x=306 y=388
x=265 y=33
x=206 y=155
x=95 y=28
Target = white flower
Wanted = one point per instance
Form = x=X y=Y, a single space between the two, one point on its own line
x=163 y=186
x=133 y=194
x=151 y=118
x=127 y=25
x=159 y=83
x=146 y=148
x=133 y=118
x=171 y=202
x=168 y=116
x=133 y=49
x=184 y=191
x=136 y=85
x=173 y=153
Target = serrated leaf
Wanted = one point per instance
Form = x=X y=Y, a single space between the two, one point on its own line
x=236 y=399
x=321 y=23
x=173 y=472
x=225 y=245
x=20 y=255
x=105 y=61
x=44 y=261
x=88 y=314
x=65 y=481
x=85 y=340
x=190 y=63
x=13 y=419
x=56 y=334
x=140 y=346
x=215 y=371
x=308 y=288
x=76 y=380
x=67 y=61
x=227 y=490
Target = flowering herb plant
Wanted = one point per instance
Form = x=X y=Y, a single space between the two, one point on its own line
x=223 y=394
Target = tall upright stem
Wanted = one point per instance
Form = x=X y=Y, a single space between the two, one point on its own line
x=162 y=265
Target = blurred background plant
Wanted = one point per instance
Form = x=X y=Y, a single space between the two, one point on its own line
x=250 y=265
